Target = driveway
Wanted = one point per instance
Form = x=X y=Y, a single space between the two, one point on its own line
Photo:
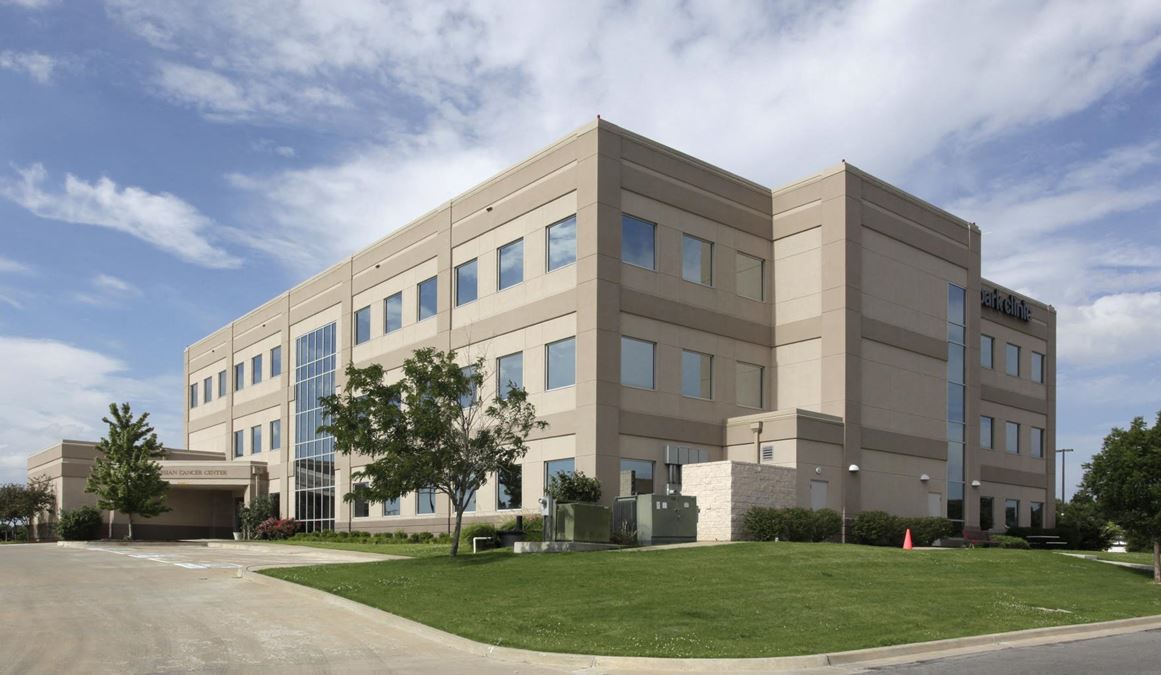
x=161 y=609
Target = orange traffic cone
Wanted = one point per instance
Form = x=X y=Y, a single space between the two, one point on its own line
x=907 y=540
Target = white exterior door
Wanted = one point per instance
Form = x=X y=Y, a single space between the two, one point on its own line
x=817 y=495
x=934 y=504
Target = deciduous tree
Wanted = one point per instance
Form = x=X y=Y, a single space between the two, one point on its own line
x=126 y=476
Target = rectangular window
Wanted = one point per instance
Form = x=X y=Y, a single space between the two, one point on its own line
x=987 y=513
x=426 y=501
x=276 y=361
x=1037 y=367
x=360 y=508
x=1012 y=512
x=256 y=439
x=1036 y=442
x=556 y=467
x=697 y=375
x=391 y=507
x=561 y=243
x=471 y=505
x=986 y=438
x=987 y=348
x=1036 y=511
x=221 y=384
x=275 y=434
x=637 y=363
x=749 y=276
x=207 y=390
x=510 y=265
x=561 y=363
x=428 y=294
x=697 y=260
x=256 y=369
x=509 y=373
x=636 y=477
x=393 y=313
x=467 y=399
x=193 y=395
x=362 y=325
x=509 y=490
x=748 y=384
x=239 y=376
x=1012 y=437
x=638 y=242
x=239 y=443
x=466 y=283
x=1012 y=359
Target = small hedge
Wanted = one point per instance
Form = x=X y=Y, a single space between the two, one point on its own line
x=1008 y=541
x=470 y=532
x=879 y=528
x=80 y=524
x=276 y=528
x=533 y=527
x=792 y=524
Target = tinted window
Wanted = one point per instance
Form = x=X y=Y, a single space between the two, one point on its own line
x=1012 y=354
x=193 y=395
x=509 y=373
x=987 y=513
x=986 y=438
x=697 y=260
x=1012 y=512
x=426 y=497
x=239 y=376
x=256 y=369
x=391 y=508
x=508 y=488
x=697 y=375
x=987 y=347
x=561 y=357
x=749 y=277
x=641 y=473
x=362 y=325
x=239 y=442
x=466 y=283
x=1012 y=437
x=955 y=304
x=748 y=383
x=637 y=242
x=636 y=363
x=557 y=466
x=276 y=361
x=255 y=439
x=468 y=398
x=1037 y=367
x=393 y=313
x=562 y=243
x=1036 y=441
x=207 y=390
x=510 y=265
x=360 y=508
x=221 y=384
x=427 y=298
x=1036 y=510
x=275 y=434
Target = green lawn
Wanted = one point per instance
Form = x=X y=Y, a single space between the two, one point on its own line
x=412 y=550
x=751 y=599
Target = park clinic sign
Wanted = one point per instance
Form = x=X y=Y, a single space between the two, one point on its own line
x=1007 y=304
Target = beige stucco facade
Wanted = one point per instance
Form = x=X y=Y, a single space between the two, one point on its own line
x=847 y=332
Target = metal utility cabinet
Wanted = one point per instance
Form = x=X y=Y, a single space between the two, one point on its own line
x=657 y=519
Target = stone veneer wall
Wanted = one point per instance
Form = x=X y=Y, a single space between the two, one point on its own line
x=726 y=490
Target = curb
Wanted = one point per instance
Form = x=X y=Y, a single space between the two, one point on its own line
x=891 y=655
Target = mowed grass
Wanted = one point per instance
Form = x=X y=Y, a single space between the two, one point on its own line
x=411 y=550
x=742 y=600
x=1138 y=557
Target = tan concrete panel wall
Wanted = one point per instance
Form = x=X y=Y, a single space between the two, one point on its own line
x=413 y=331
x=798 y=276
x=891 y=482
x=906 y=287
x=262 y=419
x=798 y=375
x=268 y=385
x=211 y=439
x=903 y=392
x=1001 y=492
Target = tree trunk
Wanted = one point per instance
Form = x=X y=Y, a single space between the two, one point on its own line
x=459 y=523
x=1157 y=561
x=112 y=513
x=130 y=526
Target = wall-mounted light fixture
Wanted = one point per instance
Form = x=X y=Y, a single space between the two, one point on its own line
x=818 y=470
x=975 y=483
x=854 y=468
x=924 y=478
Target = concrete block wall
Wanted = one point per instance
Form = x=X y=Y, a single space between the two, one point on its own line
x=726 y=490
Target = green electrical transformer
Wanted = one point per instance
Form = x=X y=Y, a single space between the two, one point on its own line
x=657 y=519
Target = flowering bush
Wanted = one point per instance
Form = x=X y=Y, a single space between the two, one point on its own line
x=276 y=528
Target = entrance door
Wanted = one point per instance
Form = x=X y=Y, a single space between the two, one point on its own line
x=817 y=495
x=934 y=504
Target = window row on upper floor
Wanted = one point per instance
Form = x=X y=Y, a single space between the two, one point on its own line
x=256 y=375
x=639 y=248
x=560 y=251
x=256 y=438
x=1012 y=438
x=1011 y=359
x=639 y=364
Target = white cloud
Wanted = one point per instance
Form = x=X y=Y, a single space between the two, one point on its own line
x=1117 y=328
x=30 y=4
x=107 y=290
x=51 y=390
x=9 y=266
x=39 y=67
x=161 y=219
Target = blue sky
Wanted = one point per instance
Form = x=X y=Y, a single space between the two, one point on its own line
x=166 y=166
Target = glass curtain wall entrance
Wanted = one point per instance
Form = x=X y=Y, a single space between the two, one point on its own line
x=314 y=453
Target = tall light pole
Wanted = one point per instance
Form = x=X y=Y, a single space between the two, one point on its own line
x=1063 y=462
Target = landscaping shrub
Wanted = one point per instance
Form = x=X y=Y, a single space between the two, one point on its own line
x=413 y=538
x=276 y=528
x=533 y=527
x=792 y=524
x=80 y=524
x=400 y=536
x=474 y=530
x=925 y=531
x=1006 y=541
x=877 y=528
x=624 y=536
x=426 y=537
x=575 y=487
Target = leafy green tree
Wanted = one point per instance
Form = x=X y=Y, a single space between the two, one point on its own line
x=126 y=476
x=574 y=487
x=430 y=430
x=1083 y=523
x=23 y=503
x=1125 y=479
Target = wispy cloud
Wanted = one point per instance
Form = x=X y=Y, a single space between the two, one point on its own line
x=51 y=390
x=161 y=219
x=40 y=67
x=9 y=266
x=106 y=290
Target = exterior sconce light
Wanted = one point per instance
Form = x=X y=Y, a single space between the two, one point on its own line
x=854 y=468
x=975 y=483
x=818 y=470
x=924 y=478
